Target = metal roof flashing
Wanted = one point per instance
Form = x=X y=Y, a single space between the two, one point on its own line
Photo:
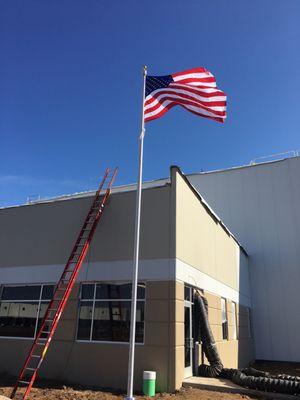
x=90 y=193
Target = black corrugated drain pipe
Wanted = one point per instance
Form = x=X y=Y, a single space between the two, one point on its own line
x=248 y=377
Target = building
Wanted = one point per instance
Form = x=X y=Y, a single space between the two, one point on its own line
x=184 y=246
x=260 y=204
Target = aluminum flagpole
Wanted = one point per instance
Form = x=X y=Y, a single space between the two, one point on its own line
x=136 y=251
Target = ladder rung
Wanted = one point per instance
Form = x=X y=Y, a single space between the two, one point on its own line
x=65 y=284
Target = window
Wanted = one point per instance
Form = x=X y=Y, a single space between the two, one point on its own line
x=22 y=309
x=224 y=319
x=104 y=312
x=233 y=311
x=187 y=293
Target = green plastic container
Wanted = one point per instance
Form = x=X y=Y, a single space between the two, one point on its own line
x=149 y=382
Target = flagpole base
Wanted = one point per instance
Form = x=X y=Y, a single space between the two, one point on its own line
x=129 y=398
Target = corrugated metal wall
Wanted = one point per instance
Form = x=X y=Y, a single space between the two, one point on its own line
x=260 y=205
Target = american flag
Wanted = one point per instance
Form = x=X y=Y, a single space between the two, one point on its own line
x=195 y=90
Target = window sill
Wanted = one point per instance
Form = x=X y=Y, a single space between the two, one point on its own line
x=16 y=337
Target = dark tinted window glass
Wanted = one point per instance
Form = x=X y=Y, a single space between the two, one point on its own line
x=87 y=291
x=187 y=293
x=21 y=292
x=107 y=291
x=112 y=291
x=141 y=292
x=112 y=321
x=18 y=319
x=47 y=292
x=85 y=320
x=43 y=308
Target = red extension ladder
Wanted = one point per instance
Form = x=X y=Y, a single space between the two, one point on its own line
x=63 y=290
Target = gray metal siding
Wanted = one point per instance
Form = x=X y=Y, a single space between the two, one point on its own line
x=260 y=205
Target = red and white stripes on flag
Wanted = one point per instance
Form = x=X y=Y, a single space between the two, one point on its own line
x=195 y=90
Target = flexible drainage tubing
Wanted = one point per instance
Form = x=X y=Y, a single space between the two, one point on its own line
x=204 y=333
x=248 y=377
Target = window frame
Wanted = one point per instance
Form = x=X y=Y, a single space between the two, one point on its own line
x=38 y=301
x=227 y=330
x=94 y=300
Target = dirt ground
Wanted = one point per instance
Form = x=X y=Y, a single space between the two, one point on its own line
x=53 y=391
x=278 y=367
x=71 y=394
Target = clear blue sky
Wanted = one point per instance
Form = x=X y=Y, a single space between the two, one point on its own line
x=70 y=88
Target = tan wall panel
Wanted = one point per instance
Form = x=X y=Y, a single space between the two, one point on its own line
x=234 y=353
x=231 y=332
x=213 y=300
x=177 y=334
x=177 y=310
x=105 y=365
x=179 y=365
x=217 y=332
x=43 y=234
x=70 y=312
x=202 y=242
x=179 y=290
x=158 y=290
x=66 y=330
x=157 y=310
x=157 y=333
x=214 y=316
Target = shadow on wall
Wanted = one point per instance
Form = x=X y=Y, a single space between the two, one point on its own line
x=241 y=314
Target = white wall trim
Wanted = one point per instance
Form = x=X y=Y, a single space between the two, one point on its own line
x=154 y=270
x=158 y=269
x=193 y=276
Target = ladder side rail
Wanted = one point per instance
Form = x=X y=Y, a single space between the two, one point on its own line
x=107 y=171
x=72 y=280
x=87 y=243
x=81 y=258
x=68 y=288
x=48 y=312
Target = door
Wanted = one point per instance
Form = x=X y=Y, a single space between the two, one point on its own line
x=188 y=340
